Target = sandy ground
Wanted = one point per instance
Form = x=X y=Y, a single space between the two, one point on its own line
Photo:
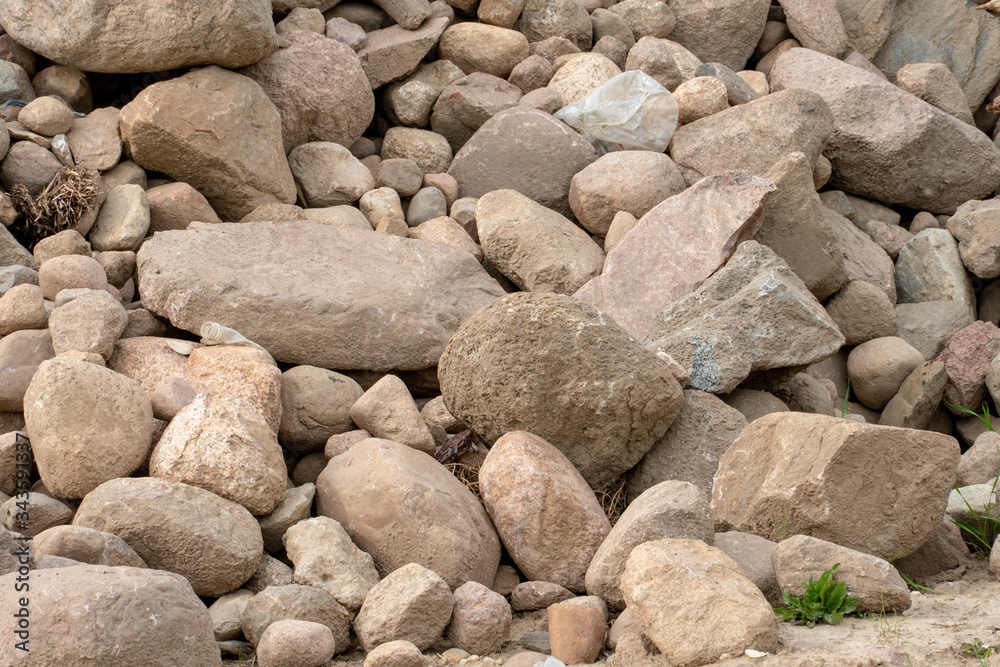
x=965 y=607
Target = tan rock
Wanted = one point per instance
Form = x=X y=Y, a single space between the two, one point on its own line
x=878 y=368
x=293 y=507
x=386 y=495
x=700 y=97
x=875 y=582
x=222 y=444
x=177 y=205
x=243 y=163
x=95 y=140
x=534 y=595
x=479 y=47
x=399 y=653
x=46 y=115
x=545 y=513
x=21 y=352
x=480 y=619
x=292 y=601
x=665 y=579
x=446 y=230
x=412 y=603
x=394 y=52
x=583 y=75
x=221 y=541
x=315 y=404
x=87 y=425
x=292 y=643
x=917 y=398
x=671 y=509
x=719 y=31
x=243 y=372
x=769 y=485
x=68 y=272
x=225 y=613
x=110 y=596
x=576 y=632
x=934 y=83
x=863 y=312
x=22 y=307
x=325 y=557
x=90 y=323
x=387 y=411
x=537 y=248
x=149 y=360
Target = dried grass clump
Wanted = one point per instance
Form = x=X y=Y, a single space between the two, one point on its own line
x=612 y=499
x=68 y=197
x=467 y=475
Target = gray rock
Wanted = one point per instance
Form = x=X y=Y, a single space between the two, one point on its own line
x=718 y=333
x=738 y=90
x=720 y=31
x=929 y=268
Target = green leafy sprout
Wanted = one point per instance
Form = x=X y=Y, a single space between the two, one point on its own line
x=982 y=528
x=984 y=417
x=978 y=651
x=824 y=601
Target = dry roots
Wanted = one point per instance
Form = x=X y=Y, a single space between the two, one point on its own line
x=612 y=499
x=69 y=196
x=468 y=475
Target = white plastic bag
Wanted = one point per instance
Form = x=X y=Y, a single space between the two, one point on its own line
x=630 y=112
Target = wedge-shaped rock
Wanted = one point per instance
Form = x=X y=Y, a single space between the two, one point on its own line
x=888 y=144
x=874 y=581
x=390 y=497
x=143 y=35
x=675 y=247
x=392 y=53
x=552 y=366
x=753 y=136
x=665 y=580
x=215 y=130
x=536 y=247
x=929 y=268
x=752 y=315
x=305 y=291
x=797 y=229
x=877 y=489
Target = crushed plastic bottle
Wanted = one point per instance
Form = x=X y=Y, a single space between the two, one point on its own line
x=630 y=112
x=550 y=662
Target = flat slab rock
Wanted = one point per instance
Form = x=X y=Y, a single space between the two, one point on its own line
x=314 y=294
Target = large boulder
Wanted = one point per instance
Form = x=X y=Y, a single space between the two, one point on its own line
x=249 y=276
x=214 y=543
x=664 y=580
x=941 y=31
x=888 y=144
x=215 y=130
x=720 y=31
x=87 y=425
x=675 y=247
x=548 y=518
x=110 y=616
x=522 y=149
x=143 y=35
x=753 y=136
x=525 y=363
x=877 y=489
x=389 y=497
x=319 y=88
x=752 y=315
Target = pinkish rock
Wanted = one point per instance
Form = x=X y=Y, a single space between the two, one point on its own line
x=480 y=619
x=967 y=356
x=675 y=247
x=545 y=512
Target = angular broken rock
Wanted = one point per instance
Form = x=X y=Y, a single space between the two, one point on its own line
x=671 y=509
x=411 y=603
x=722 y=31
x=889 y=145
x=967 y=359
x=752 y=315
x=917 y=398
x=690 y=450
x=322 y=274
x=877 y=489
x=388 y=496
x=675 y=247
x=547 y=516
x=392 y=53
x=753 y=136
x=143 y=35
x=387 y=411
x=872 y=580
x=665 y=579
x=863 y=258
x=599 y=397
x=976 y=225
x=537 y=248
x=325 y=557
x=215 y=130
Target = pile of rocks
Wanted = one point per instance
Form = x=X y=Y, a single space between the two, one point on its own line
x=488 y=372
